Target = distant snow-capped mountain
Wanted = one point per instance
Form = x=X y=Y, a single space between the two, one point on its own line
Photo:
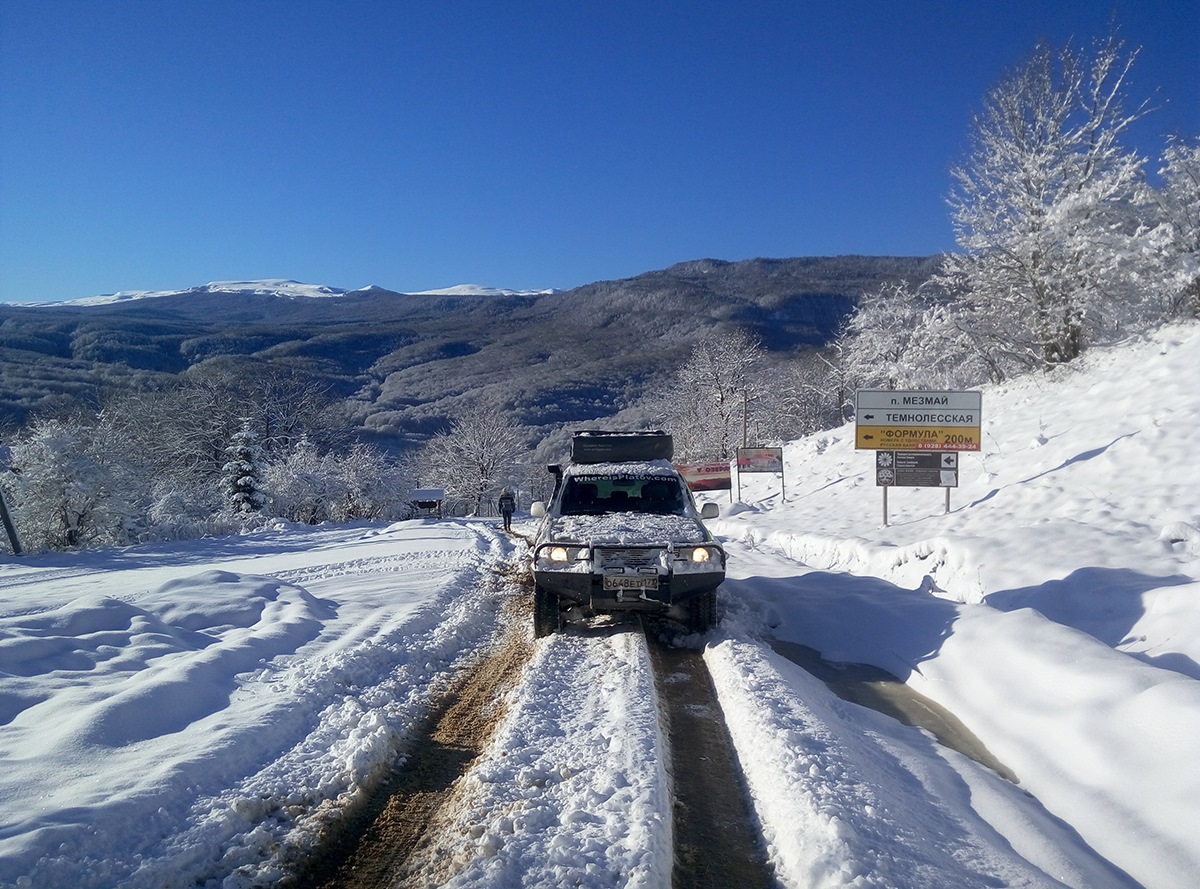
x=480 y=290
x=266 y=286
x=287 y=288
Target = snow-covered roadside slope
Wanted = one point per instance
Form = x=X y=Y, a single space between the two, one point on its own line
x=1090 y=468
x=849 y=797
x=1084 y=506
x=173 y=713
x=1099 y=738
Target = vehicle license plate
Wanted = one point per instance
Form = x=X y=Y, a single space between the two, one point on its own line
x=631 y=581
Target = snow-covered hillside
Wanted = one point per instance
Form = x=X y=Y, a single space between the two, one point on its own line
x=1055 y=609
x=190 y=714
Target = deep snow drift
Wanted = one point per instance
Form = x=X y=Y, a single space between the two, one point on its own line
x=190 y=714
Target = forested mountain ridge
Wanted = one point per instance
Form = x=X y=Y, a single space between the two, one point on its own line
x=403 y=362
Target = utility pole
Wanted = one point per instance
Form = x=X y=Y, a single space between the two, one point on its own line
x=9 y=527
x=745 y=416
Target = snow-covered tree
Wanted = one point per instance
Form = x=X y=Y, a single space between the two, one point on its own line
x=303 y=485
x=706 y=405
x=1179 y=203
x=901 y=338
x=876 y=343
x=1046 y=208
x=372 y=486
x=180 y=433
x=801 y=398
x=62 y=496
x=244 y=471
x=476 y=456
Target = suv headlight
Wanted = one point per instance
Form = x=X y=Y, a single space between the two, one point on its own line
x=560 y=555
x=690 y=559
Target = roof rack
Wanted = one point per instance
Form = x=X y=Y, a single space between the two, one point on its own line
x=602 y=446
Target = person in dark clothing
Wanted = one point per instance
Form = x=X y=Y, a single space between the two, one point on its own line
x=508 y=505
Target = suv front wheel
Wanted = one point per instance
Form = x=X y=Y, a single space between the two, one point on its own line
x=702 y=612
x=547 y=615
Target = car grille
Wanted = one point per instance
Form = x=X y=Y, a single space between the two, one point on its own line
x=628 y=557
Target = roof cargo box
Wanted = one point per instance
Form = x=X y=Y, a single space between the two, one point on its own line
x=596 y=446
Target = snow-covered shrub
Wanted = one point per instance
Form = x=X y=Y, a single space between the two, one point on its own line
x=373 y=486
x=62 y=491
x=302 y=485
x=310 y=487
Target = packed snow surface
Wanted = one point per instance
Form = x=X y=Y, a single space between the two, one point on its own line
x=190 y=714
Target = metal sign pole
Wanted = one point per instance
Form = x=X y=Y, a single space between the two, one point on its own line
x=885 y=516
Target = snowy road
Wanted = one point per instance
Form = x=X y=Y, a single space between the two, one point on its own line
x=195 y=714
x=576 y=787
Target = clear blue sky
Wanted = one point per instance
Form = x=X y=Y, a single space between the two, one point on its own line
x=160 y=144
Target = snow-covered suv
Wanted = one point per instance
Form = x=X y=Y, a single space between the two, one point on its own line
x=622 y=533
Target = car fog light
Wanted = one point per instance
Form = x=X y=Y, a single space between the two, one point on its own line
x=700 y=554
x=558 y=554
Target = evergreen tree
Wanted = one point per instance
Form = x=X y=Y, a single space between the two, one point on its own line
x=244 y=471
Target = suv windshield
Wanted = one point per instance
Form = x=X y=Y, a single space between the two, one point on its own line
x=595 y=494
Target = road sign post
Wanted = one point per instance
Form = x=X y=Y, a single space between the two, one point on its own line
x=917 y=420
x=761 y=460
x=916 y=435
x=915 y=469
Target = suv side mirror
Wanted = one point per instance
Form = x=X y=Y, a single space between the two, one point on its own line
x=537 y=509
x=709 y=511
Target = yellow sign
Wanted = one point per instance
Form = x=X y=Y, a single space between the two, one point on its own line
x=917 y=438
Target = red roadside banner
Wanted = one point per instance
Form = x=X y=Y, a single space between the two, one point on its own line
x=706 y=476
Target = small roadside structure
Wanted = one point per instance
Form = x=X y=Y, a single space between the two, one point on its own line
x=428 y=501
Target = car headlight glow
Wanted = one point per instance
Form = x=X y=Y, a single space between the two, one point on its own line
x=701 y=554
x=557 y=554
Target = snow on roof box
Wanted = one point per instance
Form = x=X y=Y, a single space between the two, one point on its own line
x=599 y=446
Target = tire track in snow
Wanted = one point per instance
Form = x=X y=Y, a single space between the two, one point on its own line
x=718 y=842
x=371 y=848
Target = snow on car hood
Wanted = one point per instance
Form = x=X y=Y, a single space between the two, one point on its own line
x=628 y=528
x=628 y=468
